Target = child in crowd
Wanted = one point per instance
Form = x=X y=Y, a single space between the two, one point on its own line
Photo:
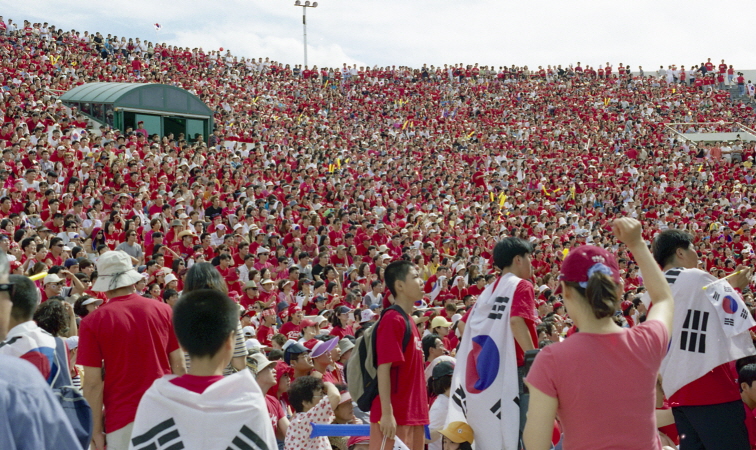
x=203 y=409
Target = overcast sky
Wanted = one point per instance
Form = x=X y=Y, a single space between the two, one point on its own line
x=414 y=32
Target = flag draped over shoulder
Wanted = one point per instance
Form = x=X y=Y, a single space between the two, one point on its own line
x=484 y=391
x=230 y=414
x=710 y=327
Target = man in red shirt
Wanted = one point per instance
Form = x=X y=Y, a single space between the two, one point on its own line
x=133 y=337
x=400 y=409
x=513 y=255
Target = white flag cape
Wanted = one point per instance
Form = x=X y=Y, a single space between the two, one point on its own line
x=710 y=327
x=230 y=414
x=485 y=392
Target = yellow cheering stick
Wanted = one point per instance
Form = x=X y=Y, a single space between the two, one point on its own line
x=722 y=279
x=38 y=276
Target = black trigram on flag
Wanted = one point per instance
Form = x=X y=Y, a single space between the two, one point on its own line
x=693 y=334
x=247 y=440
x=496 y=409
x=671 y=275
x=163 y=436
x=460 y=398
x=497 y=310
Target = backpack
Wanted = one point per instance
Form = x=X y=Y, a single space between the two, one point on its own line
x=74 y=405
x=362 y=367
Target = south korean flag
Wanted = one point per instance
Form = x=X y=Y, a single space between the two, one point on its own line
x=485 y=391
x=710 y=327
x=731 y=310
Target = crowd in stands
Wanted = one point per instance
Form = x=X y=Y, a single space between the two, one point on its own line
x=316 y=179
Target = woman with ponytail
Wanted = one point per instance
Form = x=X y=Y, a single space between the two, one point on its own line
x=604 y=375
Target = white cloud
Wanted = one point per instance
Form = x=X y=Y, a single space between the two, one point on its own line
x=413 y=32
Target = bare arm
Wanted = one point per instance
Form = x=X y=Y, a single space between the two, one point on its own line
x=664 y=417
x=73 y=329
x=387 y=422
x=75 y=281
x=178 y=364
x=629 y=231
x=333 y=394
x=521 y=333
x=282 y=426
x=92 y=390
x=540 y=422
x=239 y=363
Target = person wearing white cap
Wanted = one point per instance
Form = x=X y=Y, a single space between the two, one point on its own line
x=262 y=259
x=85 y=305
x=134 y=338
x=218 y=236
x=265 y=374
x=51 y=286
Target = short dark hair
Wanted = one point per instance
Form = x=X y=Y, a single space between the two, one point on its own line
x=508 y=248
x=666 y=244
x=396 y=271
x=169 y=293
x=203 y=320
x=25 y=298
x=301 y=391
x=747 y=374
x=429 y=342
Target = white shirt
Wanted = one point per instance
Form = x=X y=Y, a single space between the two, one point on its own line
x=243 y=273
x=437 y=416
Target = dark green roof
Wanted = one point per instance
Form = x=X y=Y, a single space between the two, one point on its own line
x=146 y=96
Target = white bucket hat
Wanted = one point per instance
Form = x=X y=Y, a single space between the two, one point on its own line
x=114 y=270
x=170 y=277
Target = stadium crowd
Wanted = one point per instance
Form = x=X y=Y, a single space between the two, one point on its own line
x=315 y=180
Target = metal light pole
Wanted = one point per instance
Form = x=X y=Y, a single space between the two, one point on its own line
x=304 y=6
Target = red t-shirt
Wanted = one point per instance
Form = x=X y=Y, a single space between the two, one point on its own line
x=523 y=305
x=717 y=386
x=599 y=378
x=750 y=422
x=409 y=397
x=265 y=334
x=195 y=383
x=291 y=331
x=133 y=335
x=340 y=332
x=275 y=410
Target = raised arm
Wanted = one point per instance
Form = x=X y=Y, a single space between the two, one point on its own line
x=629 y=231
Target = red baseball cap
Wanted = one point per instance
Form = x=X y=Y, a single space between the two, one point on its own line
x=582 y=262
x=307 y=323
